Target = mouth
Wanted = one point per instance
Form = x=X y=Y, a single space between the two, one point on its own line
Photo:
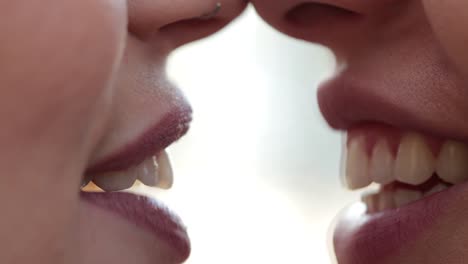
x=108 y=184
x=410 y=178
x=407 y=166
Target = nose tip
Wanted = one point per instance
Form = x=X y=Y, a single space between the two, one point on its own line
x=181 y=21
x=323 y=21
x=315 y=21
x=212 y=13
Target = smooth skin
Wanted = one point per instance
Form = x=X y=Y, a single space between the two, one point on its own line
x=66 y=76
x=79 y=80
x=411 y=55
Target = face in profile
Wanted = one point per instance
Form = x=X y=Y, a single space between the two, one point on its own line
x=399 y=93
x=85 y=98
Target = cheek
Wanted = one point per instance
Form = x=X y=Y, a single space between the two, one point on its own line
x=93 y=53
x=449 y=19
x=59 y=60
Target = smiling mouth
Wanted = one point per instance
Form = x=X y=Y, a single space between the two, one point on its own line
x=420 y=179
x=407 y=166
x=409 y=160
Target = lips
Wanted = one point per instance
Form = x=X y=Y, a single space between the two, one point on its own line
x=172 y=127
x=420 y=168
x=136 y=160
x=148 y=214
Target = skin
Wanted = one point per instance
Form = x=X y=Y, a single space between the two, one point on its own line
x=80 y=79
x=61 y=98
x=413 y=57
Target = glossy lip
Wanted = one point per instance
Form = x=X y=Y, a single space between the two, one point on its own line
x=146 y=213
x=344 y=103
x=143 y=211
x=361 y=238
x=171 y=128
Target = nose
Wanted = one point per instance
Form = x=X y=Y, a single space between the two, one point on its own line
x=179 y=21
x=328 y=22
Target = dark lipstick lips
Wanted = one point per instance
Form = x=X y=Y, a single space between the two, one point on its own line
x=148 y=214
x=171 y=128
x=142 y=211
x=370 y=238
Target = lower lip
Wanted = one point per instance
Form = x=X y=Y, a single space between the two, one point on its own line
x=146 y=213
x=360 y=238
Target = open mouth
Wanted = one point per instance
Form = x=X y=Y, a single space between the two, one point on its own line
x=410 y=180
x=409 y=160
x=406 y=166
x=155 y=171
x=109 y=184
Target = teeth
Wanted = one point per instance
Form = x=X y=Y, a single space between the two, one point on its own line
x=148 y=172
x=414 y=163
x=372 y=202
x=389 y=199
x=357 y=175
x=116 y=181
x=452 y=164
x=385 y=201
x=438 y=188
x=154 y=171
x=404 y=196
x=382 y=163
x=166 y=177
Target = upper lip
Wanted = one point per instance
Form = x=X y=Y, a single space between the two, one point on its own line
x=345 y=102
x=169 y=129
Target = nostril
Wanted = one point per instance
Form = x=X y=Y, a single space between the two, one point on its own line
x=205 y=19
x=193 y=26
x=310 y=14
x=188 y=30
x=173 y=23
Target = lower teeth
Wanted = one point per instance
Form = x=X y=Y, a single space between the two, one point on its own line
x=397 y=195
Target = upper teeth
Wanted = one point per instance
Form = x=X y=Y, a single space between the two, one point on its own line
x=414 y=162
x=453 y=162
x=166 y=178
x=155 y=171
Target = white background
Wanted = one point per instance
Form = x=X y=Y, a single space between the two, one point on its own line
x=257 y=178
